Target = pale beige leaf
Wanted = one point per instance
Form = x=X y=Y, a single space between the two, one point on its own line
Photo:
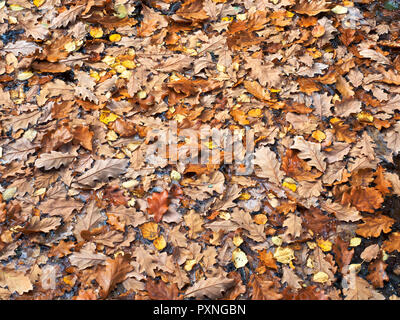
x=293 y=225
x=341 y=212
x=54 y=160
x=243 y=220
x=310 y=150
x=102 y=170
x=19 y=150
x=176 y=63
x=66 y=17
x=43 y=225
x=87 y=257
x=374 y=55
x=211 y=288
x=21 y=46
x=370 y=252
x=310 y=189
x=266 y=159
x=290 y=277
x=91 y=218
x=61 y=207
x=15 y=281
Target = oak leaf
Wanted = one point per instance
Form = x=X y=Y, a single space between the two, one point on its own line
x=267 y=161
x=311 y=8
x=19 y=150
x=377 y=274
x=364 y=199
x=212 y=288
x=114 y=272
x=343 y=256
x=54 y=160
x=15 y=280
x=61 y=207
x=243 y=220
x=102 y=170
x=42 y=225
x=393 y=243
x=159 y=290
x=158 y=205
x=310 y=150
x=263 y=289
x=373 y=226
x=87 y=257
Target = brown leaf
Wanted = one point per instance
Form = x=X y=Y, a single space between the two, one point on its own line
x=263 y=289
x=87 y=257
x=102 y=170
x=159 y=290
x=212 y=288
x=54 y=159
x=311 y=8
x=43 y=225
x=393 y=243
x=364 y=199
x=377 y=274
x=158 y=205
x=373 y=226
x=113 y=273
x=267 y=259
x=343 y=256
x=83 y=136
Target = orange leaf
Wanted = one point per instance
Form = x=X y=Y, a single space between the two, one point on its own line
x=84 y=137
x=159 y=290
x=158 y=205
x=364 y=199
x=393 y=243
x=373 y=226
x=267 y=258
x=382 y=184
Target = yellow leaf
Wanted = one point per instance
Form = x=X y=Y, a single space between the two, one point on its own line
x=107 y=116
x=318 y=135
x=189 y=264
x=245 y=196
x=276 y=240
x=325 y=245
x=69 y=280
x=354 y=242
x=115 y=37
x=149 y=230
x=142 y=94
x=365 y=116
x=320 y=277
x=239 y=258
x=95 y=75
x=160 y=243
x=70 y=46
x=256 y=113
x=339 y=10
x=237 y=240
x=38 y=3
x=96 y=32
x=16 y=7
x=24 y=75
x=129 y=64
x=175 y=175
x=227 y=19
x=284 y=255
x=291 y=186
x=260 y=218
